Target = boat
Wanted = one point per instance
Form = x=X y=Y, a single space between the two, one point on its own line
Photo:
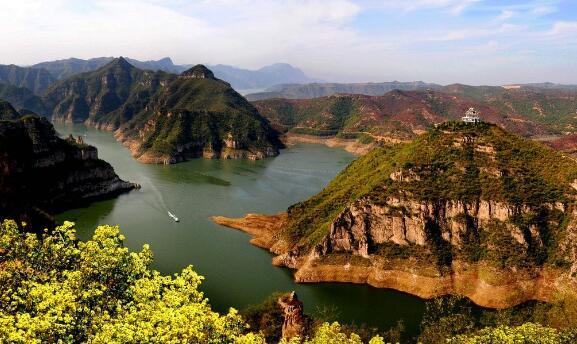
x=173 y=216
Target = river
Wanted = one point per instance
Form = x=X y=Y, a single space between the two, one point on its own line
x=237 y=273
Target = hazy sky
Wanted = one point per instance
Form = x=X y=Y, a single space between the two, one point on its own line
x=445 y=41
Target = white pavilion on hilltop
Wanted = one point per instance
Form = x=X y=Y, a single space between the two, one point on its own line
x=471 y=116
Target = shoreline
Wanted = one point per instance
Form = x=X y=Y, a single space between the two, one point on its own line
x=469 y=280
x=350 y=145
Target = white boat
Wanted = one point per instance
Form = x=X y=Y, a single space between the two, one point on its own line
x=173 y=216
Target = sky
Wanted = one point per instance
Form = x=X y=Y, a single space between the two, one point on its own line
x=491 y=42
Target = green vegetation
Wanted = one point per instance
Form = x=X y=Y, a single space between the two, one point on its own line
x=22 y=98
x=201 y=113
x=456 y=320
x=524 y=334
x=36 y=80
x=455 y=162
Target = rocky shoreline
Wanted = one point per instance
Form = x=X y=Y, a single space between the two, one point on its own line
x=484 y=285
x=353 y=146
x=187 y=152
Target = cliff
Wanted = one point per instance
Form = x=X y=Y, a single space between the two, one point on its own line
x=463 y=209
x=164 y=118
x=42 y=173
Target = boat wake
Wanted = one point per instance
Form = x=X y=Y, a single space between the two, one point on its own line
x=173 y=216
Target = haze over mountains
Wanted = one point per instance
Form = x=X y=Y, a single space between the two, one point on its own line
x=239 y=78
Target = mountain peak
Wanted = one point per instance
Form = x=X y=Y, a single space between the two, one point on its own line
x=198 y=72
x=120 y=62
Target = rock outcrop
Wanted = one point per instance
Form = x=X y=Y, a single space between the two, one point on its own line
x=465 y=209
x=294 y=324
x=41 y=173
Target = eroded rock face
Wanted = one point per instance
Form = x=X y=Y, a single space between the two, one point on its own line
x=403 y=221
x=39 y=170
x=294 y=319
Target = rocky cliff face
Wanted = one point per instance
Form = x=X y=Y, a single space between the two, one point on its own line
x=361 y=227
x=468 y=210
x=42 y=173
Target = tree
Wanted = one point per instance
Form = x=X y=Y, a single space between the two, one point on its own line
x=527 y=333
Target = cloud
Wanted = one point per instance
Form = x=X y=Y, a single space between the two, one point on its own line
x=341 y=40
x=563 y=28
x=453 y=6
x=240 y=32
x=542 y=10
x=505 y=15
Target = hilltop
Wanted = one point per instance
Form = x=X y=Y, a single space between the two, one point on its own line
x=463 y=209
x=315 y=90
x=198 y=115
x=239 y=78
x=7 y=111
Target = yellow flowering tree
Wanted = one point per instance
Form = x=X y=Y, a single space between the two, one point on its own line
x=54 y=288
x=57 y=289
x=527 y=333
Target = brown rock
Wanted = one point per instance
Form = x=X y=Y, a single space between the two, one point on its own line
x=294 y=319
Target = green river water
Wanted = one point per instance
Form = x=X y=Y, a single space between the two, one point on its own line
x=237 y=273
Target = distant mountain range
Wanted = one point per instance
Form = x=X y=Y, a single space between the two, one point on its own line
x=240 y=79
x=402 y=115
x=315 y=90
